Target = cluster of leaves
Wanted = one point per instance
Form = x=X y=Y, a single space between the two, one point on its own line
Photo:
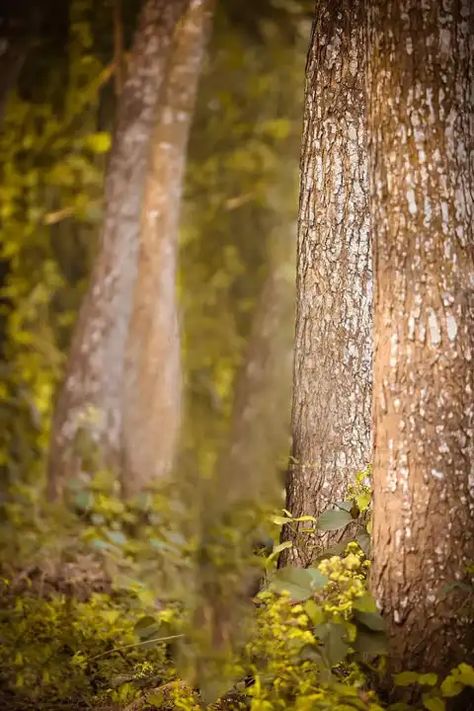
x=59 y=649
x=353 y=514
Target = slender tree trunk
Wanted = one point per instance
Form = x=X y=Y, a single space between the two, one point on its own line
x=421 y=111
x=91 y=397
x=332 y=373
x=152 y=398
x=261 y=414
x=247 y=474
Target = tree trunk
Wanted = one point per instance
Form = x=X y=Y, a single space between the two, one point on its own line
x=152 y=398
x=91 y=397
x=420 y=89
x=247 y=470
x=261 y=418
x=332 y=373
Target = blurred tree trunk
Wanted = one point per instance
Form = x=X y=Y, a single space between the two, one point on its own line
x=332 y=372
x=152 y=398
x=91 y=397
x=247 y=474
x=260 y=421
x=421 y=93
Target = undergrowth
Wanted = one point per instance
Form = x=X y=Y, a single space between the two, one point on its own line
x=93 y=615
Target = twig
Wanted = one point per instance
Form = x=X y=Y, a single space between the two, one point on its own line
x=137 y=644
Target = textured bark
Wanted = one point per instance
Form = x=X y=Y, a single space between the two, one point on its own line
x=421 y=111
x=332 y=374
x=152 y=397
x=91 y=396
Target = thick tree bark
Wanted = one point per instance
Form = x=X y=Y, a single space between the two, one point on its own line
x=332 y=373
x=152 y=397
x=421 y=109
x=91 y=397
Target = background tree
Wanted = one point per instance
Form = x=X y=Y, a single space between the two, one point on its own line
x=248 y=478
x=420 y=89
x=152 y=385
x=332 y=373
x=91 y=397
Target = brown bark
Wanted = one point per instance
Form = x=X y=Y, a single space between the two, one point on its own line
x=421 y=94
x=152 y=396
x=91 y=396
x=332 y=373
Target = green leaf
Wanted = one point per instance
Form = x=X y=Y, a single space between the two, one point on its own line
x=318 y=580
x=311 y=653
x=99 y=142
x=302 y=519
x=372 y=620
x=83 y=500
x=429 y=679
x=433 y=703
x=451 y=686
x=365 y=603
x=117 y=537
x=370 y=643
x=278 y=549
x=336 y=549
x=144 y=622
x=466 y=674
x=155 y=698
x=281 y=520
x=332 y=637
x=334 y=519
x=363 y=501
x=300 y=583
x=146 y=627
x=406 y=678
x=344 y=505
x=461 y=676
x=314 y=612
x=363 y=539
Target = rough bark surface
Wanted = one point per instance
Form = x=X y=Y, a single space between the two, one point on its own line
x=332 y=373
x=420 y=127
x=152 y=395
x=91 y=396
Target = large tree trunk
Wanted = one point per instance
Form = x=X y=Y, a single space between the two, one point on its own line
x=152 y=399
x=332 y=374
x=420 y=89
x=91 y=397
